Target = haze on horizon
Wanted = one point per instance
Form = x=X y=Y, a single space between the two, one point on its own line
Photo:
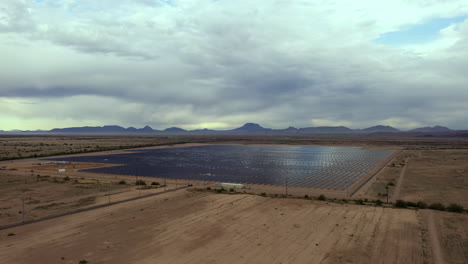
x=220 y=64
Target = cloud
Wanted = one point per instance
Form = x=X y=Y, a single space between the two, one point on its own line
x=223 y=63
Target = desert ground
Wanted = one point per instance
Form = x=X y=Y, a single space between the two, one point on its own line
x=199 y=226
x=430 y=176
x=202 y=227
x=12 y=146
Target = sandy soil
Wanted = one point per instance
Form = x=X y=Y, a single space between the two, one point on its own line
x=30 y=146
x=200 y=227
x=46 y=193
x=448 y=236
x=437 y=177
x=375 y=189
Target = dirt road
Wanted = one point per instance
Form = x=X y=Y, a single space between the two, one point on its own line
x=447 y=236
x=434 y=238
x=396 y=192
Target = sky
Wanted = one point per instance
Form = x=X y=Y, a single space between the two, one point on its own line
x=220 y=64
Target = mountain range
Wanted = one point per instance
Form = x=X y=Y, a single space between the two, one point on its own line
x=248 y=128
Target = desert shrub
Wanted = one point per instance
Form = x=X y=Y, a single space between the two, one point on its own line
x=437 y=206
x=231 y=190
x=391 y=184
x=263 y=194
x=322 y=197
x=11 y=234
x=411 y=204
x=378 y=202
x=220 y=190
x=83 y=261
x=366 y=200
x=344 y=200
x=400 y=204
x=360 y=201
x=208 y=188
x=155 y=183
x=306 y=196
x=456 y=208
x=421 y=205
x=66 y=178
x=140 y=182
x=122 y=182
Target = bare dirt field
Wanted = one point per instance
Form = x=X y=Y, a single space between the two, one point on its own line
x=34 y=146
x=439 y=176
x=30 y=191
x=430 y=176
x=201 y=227
x=448 y=234
x=389 y=176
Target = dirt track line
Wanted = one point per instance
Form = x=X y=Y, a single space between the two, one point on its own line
x=87 y=209
x=367 y=178
x=396 y=192
x=435 y=244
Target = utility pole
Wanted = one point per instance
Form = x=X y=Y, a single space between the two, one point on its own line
x=386 y=187
x=109 y=197
x=22 y=211
x=286 y=186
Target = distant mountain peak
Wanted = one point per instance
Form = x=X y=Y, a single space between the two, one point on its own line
x=251 y=127
x=433 y=129
x=174 y=129
x=379 y=128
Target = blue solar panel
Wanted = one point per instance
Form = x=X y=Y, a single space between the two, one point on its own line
x=302 y=166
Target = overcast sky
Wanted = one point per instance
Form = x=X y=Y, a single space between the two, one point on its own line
x=219 y=64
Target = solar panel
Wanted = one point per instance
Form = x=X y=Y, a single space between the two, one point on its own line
x=304 y=166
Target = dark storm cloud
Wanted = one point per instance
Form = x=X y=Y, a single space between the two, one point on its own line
x=58 y=92
x=200 y=63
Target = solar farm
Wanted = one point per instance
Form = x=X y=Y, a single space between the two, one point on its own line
x=333 y=168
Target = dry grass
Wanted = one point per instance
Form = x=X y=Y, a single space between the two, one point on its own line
x=34 y=146
x=439 y=176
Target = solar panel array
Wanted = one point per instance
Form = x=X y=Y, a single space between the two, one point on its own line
x=303 y=166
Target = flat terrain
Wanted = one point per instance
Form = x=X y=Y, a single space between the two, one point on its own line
x=204 y=227
x=322 y=167
x=439 y=176
x=375 y=189
x=33 y=146
x=31 y=191
x=430 y=176
x=200 y=227
x=449 y=233
x=47 y=195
